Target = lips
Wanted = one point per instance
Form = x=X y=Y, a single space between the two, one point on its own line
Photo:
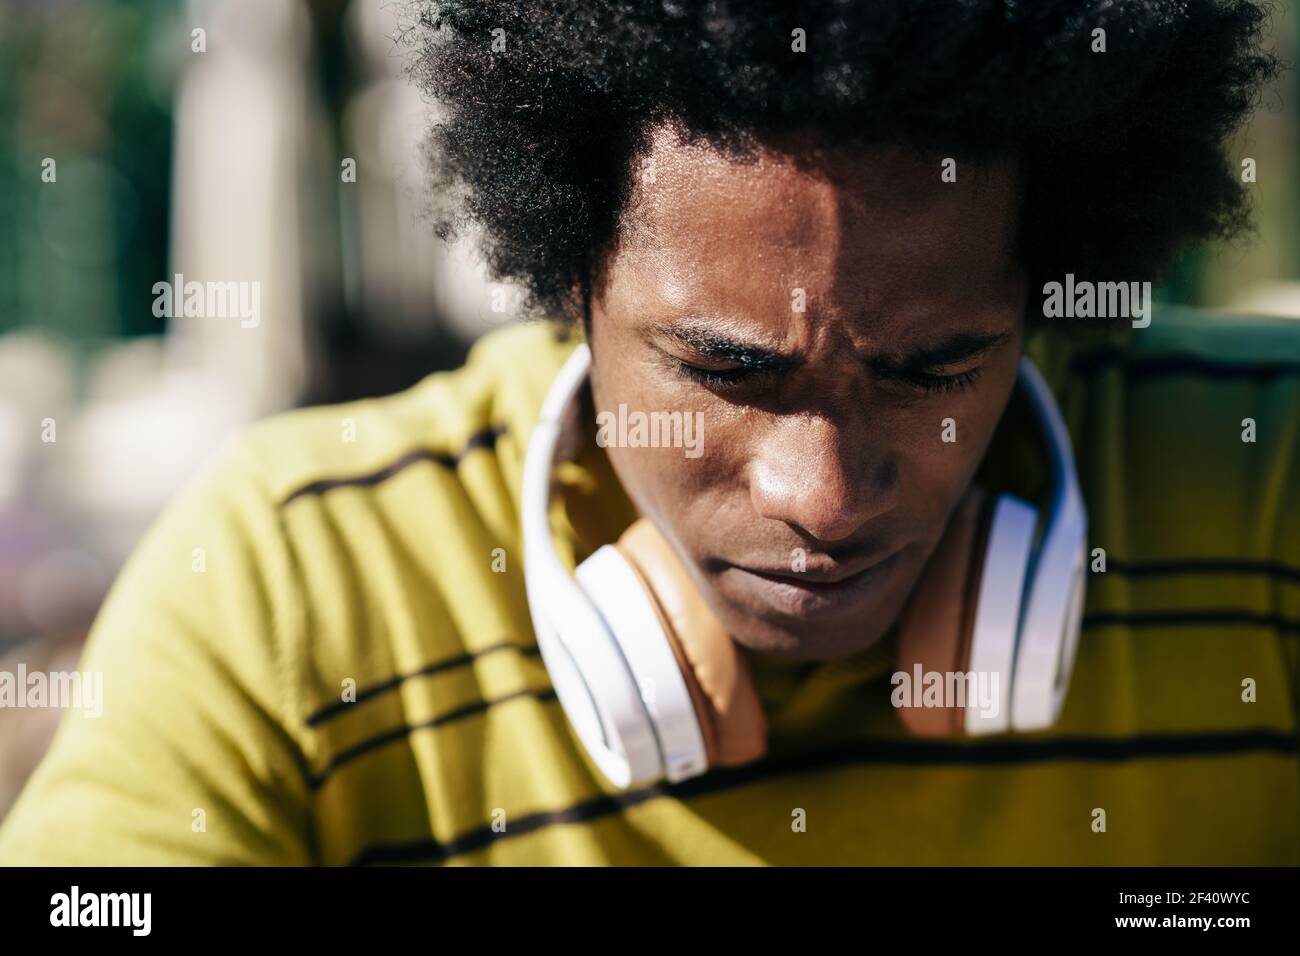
x=829 y=574
x=826 y=589
x=823 y=568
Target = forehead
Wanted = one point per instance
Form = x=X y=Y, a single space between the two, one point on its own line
x=876 y=226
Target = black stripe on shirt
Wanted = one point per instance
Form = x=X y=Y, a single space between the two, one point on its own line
x=1206 y=617
x=402 y=731
x=1095 y=620
x=906 y=751
x=1174 y=618
x=1181 y=566
x=449 y=460
x=437 y=667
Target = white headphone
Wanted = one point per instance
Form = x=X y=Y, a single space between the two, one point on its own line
x=646 y=707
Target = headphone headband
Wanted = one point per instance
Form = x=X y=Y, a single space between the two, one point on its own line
x=1053 y=609
x=618 y=735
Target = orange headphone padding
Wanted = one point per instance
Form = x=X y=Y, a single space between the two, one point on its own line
x=936 y=626
x=934 y=630
x=717 y=675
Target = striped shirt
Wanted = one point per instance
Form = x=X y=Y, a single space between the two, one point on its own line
x=322 y=653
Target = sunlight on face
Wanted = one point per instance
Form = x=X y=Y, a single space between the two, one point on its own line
x=822 y=317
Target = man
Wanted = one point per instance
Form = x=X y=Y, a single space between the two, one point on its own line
x=831 y=232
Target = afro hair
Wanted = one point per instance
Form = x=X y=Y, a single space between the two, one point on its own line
x=1120 y=135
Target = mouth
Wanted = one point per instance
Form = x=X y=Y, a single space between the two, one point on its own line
x=826 y=590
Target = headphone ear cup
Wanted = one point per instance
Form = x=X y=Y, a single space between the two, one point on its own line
x=625 y=606
x=935 y=630
x=714 y=668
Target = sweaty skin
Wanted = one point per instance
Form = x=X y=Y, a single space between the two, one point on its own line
x=824 y=482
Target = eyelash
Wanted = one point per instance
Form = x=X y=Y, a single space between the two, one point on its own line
x=945 y=383
x=729 y=378
x=723 y=378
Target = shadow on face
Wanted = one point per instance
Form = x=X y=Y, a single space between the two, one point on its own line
x=817 y=346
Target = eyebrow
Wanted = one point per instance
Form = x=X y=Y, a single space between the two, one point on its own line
x=709 y=342
x=957 y=348
x=712 y=343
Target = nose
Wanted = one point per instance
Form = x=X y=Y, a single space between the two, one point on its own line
x=811 y=474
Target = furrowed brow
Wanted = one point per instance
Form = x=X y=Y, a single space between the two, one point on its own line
x=954 y=350
x=714 y=344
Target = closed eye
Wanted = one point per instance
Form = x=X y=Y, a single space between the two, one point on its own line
x=718 y=378
x=722 y=379
x=928 y=382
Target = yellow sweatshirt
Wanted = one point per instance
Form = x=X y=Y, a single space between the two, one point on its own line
x=321 y=653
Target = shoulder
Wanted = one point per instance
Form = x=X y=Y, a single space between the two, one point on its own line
x=356 y=541
x=309 y=451
x=394 y=520
x=1187 y=435
x=1187 y=441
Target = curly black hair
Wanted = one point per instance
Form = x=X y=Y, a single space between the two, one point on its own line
x=548 y=105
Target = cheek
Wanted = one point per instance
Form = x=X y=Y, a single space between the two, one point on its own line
x=941 y=449
x=669 y=470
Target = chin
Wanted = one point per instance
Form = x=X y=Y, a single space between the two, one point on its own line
x=806 y=641
x=803 y=623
